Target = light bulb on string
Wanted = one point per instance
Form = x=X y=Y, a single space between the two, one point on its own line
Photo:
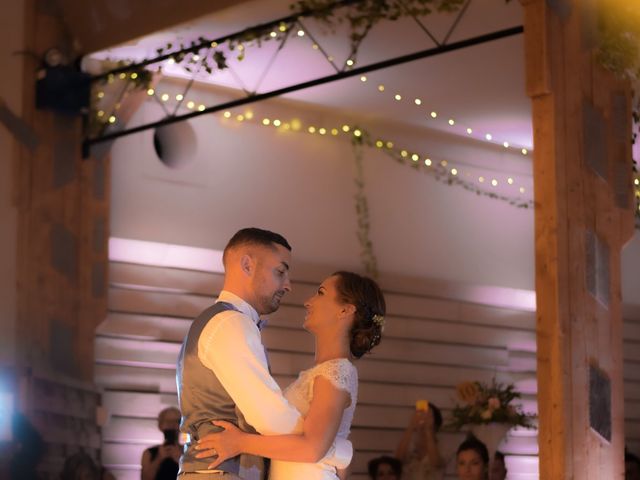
x=190 y=105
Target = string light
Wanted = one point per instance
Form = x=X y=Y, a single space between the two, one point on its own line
x=469 y=131
x=381 y=88
x=296 y=125
x=134 y=75
x=506 y=144
x=273 y=34
x=100 y=94
x=101 y=113
x=524 y=151
x=363 y=78
x=488 y=136
x=398 y=97
x=636 y=182
x=179 y=97
x=112 y=119
x=350 y=62
x=451 y=122
x=282 y=27
x=301 y=33
x=417 y=101
x=190 y=105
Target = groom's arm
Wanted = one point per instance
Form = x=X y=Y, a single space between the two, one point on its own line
x=232 y=348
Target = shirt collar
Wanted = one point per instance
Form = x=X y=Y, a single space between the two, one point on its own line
x=240 y=304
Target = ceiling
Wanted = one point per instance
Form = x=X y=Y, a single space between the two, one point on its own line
x=480 y=87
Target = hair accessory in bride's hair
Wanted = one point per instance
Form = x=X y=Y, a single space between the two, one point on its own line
x=379 y=321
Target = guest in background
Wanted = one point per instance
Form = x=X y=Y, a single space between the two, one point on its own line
x=28 y=449
x=498 y=467
x=472 y=460
x=385 y=468
x=160 y=462
x=631 y=466
x=418 y=448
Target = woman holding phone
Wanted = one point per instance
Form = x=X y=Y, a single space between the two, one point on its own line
x=418 y=448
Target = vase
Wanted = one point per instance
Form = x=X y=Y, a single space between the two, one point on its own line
x=491 y=434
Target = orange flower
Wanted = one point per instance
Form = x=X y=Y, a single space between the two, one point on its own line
x=468 y=392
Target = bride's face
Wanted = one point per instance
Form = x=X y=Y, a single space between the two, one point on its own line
x=323 y=308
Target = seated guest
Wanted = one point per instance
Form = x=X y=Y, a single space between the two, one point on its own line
x=418 y=448
x=161 y=461
x=385 y=468
x=472 y=460
x=498 y=467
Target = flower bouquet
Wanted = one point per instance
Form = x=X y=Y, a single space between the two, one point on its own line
x=488 y=412
x=482 y=404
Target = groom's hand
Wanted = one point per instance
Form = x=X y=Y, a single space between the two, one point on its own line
x=224 y=444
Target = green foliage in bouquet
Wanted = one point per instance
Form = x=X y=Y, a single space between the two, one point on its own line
x=482 y=403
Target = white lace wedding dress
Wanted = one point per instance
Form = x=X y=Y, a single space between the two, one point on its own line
x=344 y=376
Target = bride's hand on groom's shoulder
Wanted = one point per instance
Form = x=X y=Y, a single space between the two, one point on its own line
x=222 y=445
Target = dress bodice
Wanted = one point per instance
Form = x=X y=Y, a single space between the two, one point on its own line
x=344 y=376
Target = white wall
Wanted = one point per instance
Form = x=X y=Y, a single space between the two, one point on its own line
x=11 y=85
x=302 y=185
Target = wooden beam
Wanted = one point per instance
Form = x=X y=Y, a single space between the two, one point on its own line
x=583 y=217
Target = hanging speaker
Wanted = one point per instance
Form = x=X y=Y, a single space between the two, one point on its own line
x=175 y=144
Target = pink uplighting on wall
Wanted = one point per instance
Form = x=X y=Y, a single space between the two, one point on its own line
x=165 y=255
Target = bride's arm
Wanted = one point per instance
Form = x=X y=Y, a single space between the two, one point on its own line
x=319 y=431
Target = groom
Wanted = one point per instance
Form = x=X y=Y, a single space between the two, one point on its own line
x=222 y=371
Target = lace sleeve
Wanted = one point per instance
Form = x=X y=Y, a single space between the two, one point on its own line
x=342 y=374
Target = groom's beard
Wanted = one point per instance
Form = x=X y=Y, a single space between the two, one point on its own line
x=271 y=304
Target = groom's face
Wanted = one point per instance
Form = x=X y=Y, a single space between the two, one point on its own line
x=271 y=278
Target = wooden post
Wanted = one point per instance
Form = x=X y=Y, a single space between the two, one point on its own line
x=583 y=217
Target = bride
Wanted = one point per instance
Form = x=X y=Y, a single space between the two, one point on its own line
x=346 y=317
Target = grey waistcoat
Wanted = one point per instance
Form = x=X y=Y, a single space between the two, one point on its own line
x=202 y=397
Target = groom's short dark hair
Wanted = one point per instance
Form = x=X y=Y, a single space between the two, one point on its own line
x=255 y=236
